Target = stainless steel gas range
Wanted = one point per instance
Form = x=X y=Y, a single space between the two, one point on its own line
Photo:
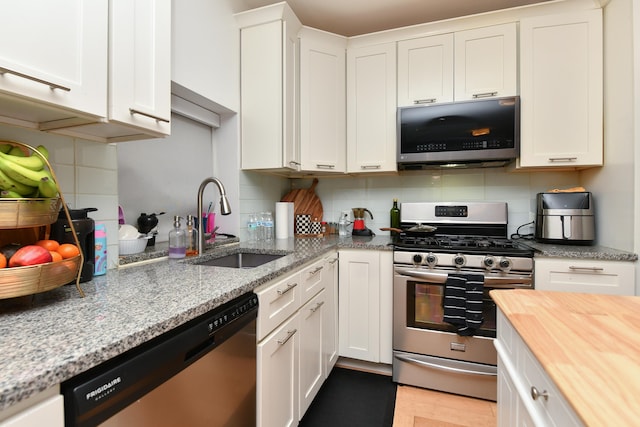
x=446 y=260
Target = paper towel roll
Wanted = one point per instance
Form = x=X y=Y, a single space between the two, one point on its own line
x=283 y=219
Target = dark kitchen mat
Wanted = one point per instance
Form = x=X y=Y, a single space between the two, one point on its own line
x=352 y=398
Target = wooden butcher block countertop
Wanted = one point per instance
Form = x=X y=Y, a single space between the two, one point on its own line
x=588 y=344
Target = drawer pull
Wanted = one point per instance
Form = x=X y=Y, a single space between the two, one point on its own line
x=151 y=116
x=425 y=101
x=370 y=167
x=333 y=261
x=535 y=394
x=34 y=79
x=294 y=163
x=287 y=289
x=287 y=338
x=563 y=159
x=484 y=95
x=321 y=166
x=316 y=271
x=316 y=307
x=573 y=267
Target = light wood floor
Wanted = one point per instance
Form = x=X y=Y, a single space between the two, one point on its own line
x=417 y=407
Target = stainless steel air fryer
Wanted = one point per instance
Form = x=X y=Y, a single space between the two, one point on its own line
x=565 y=218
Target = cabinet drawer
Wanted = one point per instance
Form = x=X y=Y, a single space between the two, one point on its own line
x=311 y=280
x=276 y=303
x=590 y=276
x=550 y=404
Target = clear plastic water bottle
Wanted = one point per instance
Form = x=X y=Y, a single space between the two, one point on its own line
x=252 y=227
x=267 y=224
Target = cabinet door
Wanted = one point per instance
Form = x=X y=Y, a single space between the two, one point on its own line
x=330 y=330
x=371 y=108
x=277 y=377
x=561 y=90
x=359 y=307
x=311 y=351
x=425 y=70
x=140 y=64
x=486 y=62
x=267 y=82
x=55 y=54
x=589 y=276
x=49 y=412
x=322 y=103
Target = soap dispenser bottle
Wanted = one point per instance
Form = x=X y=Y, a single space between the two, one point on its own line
x=177 y=240
x=191 y=237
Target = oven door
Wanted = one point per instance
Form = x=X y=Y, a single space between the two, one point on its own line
x=418 y=325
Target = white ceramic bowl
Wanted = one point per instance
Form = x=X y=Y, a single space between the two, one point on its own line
x=128 y=232
x=132 y=246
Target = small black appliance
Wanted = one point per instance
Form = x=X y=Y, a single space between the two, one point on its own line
x=85 y=230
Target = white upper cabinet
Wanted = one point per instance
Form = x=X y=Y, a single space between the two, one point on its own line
x=139 y=100
x=268 y=82
x=322 y=102
x=486 y=62
x=465 y=65
x=425 y=70
x=371 y=108
x=53 y=62
x=561 y=90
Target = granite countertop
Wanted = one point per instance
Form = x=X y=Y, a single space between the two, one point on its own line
x=579 y=251
x=588 y=344
x=50 y=337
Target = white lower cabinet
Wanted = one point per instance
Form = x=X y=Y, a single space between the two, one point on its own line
x=526 y=394
x=296 y=341
x=581 y=275
x=277 y=376
x=43 y=409
x=365 y=305
x=311 y=355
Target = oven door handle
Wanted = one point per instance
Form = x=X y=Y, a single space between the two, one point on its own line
x=511 y=281
x=410 y=359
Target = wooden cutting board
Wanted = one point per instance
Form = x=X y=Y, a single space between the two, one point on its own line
x=305 y=201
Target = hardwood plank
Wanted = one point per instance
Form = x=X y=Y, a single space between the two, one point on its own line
x=417 y=407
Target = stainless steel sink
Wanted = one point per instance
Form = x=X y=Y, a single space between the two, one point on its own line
x=241 y=260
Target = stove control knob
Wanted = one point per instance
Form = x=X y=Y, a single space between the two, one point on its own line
x=431 y=260
x=489 y=262
x=459 y=260
x=417 y=259
x=505 y=264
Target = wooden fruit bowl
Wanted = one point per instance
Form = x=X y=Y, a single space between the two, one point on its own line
x=33 y=279
x=22 y=213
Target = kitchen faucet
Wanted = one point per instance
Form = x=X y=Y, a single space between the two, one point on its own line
x=225 y=208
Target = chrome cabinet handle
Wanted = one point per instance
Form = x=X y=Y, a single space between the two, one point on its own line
x=319 y=166
x=316 y=307
x=370 y=167
x=34 y=79
x=151 y=116
x=287 y=338
x=535 y=394
x=563 y=159
x=316 y=271
x=294 y=163
x=573 y=267
x=287 y=289
x=484 y=95
x=333 y=261
x=425 y=101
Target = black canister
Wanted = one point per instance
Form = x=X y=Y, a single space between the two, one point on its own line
x=85 y=230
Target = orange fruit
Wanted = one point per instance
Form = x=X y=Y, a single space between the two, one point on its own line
x=50 y=245
x=68 y=250
x=3 y=261
x=55 y=256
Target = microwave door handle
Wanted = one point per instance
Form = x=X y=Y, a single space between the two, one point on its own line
x=510 y=281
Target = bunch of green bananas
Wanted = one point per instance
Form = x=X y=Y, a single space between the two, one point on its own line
x=23 y=175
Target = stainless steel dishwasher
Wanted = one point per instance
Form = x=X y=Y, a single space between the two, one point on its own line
x=201 y=374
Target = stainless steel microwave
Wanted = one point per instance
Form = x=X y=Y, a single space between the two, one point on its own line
x=479 y=133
